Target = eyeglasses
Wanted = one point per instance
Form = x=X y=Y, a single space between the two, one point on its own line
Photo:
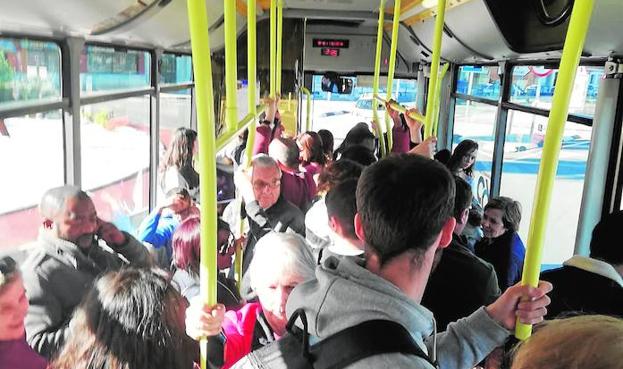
x=261 y=185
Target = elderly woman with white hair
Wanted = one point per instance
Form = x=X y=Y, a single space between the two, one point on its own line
x=280 y=263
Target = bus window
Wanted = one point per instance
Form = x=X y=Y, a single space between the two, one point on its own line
x=115 y=159
x=534 y=86
x=480 y=81
x=29 y=70
x=340 y=112
x=31 y=148
x=175 y=69
x=522 y=156
x=476 y=121
x=109 y=69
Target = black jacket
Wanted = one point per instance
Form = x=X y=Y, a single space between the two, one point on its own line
x=578 y=290
x=459 y=285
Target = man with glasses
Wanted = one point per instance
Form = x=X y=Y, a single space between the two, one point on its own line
x=266 y=208
x=74 y=247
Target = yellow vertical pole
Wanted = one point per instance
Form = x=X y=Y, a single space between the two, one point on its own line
x=574 y=42
x=308 y=100
x=273 y=47
x=202 y=67
x=252 y=91
x=444 y=70
x=377 y=76
x=279 y=47
x=391 y=71
x=434 y=68
x=231 y=73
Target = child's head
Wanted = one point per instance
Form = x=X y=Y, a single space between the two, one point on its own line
x=13 y=301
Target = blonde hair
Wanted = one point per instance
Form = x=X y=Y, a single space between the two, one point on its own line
x=588 y=341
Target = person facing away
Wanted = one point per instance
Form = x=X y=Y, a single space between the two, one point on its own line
x=590 y=341
x=341 y=209
x=281 y=262
x=501 y=245
x=327 y=143
x=297 y=186
x=266 y=208
x=460 y=282
x=404 y=214
x=74 y=247
x=317 y=230
x=130 y=319
x=14 y=351
x=157 y=228
x=591 y=284
x=176 y=169
x=186 y=261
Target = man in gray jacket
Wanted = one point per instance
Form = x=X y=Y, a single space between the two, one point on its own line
x=404 y=214
x=74 y=247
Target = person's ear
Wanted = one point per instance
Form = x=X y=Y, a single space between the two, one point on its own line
x=334 y=224
x=465 y=216
x=359 y=228
x=446 y=233
x=48 y=223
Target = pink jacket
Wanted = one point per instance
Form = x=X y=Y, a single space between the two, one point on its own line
x=238 y=327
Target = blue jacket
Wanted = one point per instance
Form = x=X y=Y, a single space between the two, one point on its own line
x=506 y=253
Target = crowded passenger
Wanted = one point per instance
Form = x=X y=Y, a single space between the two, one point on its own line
x=317 y=230
x=406 y=132
x=281 y=262
x=130 y=319
x=298 y=187
x=404 y=215
x=327 y=143
x=176 y=169
x=443 y=156
x=462 y=161
x=312 y=155
x=266 y=208
x=14 y=351
x=269 y=127
x=359 y=135
x=501 y=245
x=157 y=228
x=74 y=247
x=591 y=341
x=591 y=284
x=460 y=282
x=341 y=209
x=186 y=260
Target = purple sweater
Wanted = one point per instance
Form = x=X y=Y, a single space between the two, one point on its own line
x=16 y=354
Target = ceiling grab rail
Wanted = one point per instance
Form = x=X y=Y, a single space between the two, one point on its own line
x=574 y=42
x=377 y=75
x=391 y=71
x=202 y=68
x=434 y=69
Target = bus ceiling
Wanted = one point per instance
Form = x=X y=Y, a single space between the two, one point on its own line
x=475 y=31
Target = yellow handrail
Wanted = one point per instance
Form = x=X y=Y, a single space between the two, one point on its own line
x=401 y=109
x=202 y=67
x=308 y=117
x=231 y=73
x=392 y=70
x=377 y=75
x=434 y=69
x=574 y=42
x=444 y=70
x=245 y=123
x=273 y=48
x=279 y=46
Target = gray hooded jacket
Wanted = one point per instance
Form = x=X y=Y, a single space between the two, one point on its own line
x=346 y=294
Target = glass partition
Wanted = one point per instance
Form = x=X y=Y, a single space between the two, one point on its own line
x=112 y=69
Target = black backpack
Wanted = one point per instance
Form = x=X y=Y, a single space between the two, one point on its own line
x=373 y=337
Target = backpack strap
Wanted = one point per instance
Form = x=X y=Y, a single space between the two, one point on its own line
x=367 y=339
